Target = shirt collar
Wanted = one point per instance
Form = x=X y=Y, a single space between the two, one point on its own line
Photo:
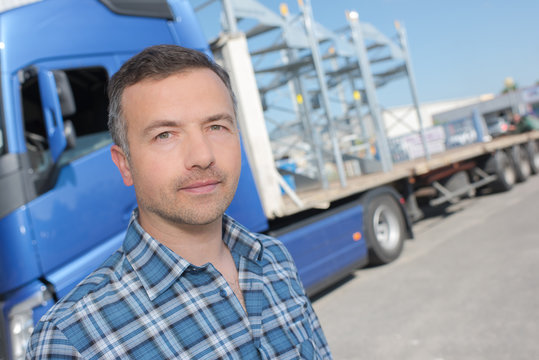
x=240 y=240
x=158 y=267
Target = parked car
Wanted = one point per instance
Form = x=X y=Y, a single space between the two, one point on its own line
x=497 y=126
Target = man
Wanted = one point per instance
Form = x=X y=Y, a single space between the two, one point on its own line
x=189 y=282
x=523 y=123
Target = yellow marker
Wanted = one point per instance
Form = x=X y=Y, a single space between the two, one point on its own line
x=352 y=15
x=299 y=99
x=357 y=95
x=300 y=3
x=356 y=236
x=283 y=8
x=397 y=25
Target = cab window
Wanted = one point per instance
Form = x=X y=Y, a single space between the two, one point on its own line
x=83 y=101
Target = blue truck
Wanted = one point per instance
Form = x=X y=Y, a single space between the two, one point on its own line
x=63 y=206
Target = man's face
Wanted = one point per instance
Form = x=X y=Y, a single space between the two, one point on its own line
x=184 y=145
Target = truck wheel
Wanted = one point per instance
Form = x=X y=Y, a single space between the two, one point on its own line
x=533 y=155
x=521 y=161
x=505 y=171
x=384 y=228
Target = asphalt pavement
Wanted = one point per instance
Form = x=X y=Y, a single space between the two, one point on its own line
x=467 y=287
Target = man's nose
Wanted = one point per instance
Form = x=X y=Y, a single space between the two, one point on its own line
x=199 y=152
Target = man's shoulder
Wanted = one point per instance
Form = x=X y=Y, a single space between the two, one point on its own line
x=276 y=257
x=71 y=324
x=274 y=248
x=91 y=290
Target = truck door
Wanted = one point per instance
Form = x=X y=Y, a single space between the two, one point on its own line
x=83 y=207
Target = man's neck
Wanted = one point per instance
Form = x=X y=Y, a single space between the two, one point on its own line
x=198 y=244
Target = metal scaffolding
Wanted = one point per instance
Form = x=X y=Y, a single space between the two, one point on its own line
x=318 y=89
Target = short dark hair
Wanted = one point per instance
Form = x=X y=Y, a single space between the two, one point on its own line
x=155 y=62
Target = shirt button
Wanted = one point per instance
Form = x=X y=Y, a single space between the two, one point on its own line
x=222 y=292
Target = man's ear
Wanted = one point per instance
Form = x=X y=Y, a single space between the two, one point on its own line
x=119 y=158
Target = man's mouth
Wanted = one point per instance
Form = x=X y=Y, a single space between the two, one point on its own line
x=200 y=187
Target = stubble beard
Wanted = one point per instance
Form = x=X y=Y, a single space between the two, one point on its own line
x=180 y=208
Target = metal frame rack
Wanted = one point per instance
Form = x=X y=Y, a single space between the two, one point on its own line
x=315 y=92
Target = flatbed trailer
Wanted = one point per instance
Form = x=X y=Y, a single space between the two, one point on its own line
x=408 y=171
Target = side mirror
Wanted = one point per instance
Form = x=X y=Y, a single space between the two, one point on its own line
x=57 y=101
x=65 y=93
x=70 y=134
x=52 y=113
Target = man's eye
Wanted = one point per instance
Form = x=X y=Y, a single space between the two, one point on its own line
x=163 y=136
x=216 y=127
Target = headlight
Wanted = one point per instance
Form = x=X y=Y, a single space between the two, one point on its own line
x=21 y=322
x=21 y=327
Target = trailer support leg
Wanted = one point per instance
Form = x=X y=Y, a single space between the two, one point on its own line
x=412 y=208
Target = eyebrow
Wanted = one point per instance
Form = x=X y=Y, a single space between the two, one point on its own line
x=160 y=124
x=221 y=116
x=173 y=123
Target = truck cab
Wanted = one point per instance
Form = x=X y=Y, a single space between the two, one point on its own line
x=64 y=208
x=63 y=205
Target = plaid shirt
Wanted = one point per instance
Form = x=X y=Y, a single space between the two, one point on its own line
x=146 y=302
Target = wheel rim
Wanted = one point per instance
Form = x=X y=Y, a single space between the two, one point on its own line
x=386 y=227
x=536 y=159
x=509 y=174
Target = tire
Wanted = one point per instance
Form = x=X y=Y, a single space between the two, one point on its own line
x=521 y=161
x=503 y=168
x=532 y=148
x=384 y=227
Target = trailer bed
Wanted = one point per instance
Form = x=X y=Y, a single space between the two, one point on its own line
x=318 y=198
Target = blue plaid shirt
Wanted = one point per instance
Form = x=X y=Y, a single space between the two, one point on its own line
x=146 y=302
